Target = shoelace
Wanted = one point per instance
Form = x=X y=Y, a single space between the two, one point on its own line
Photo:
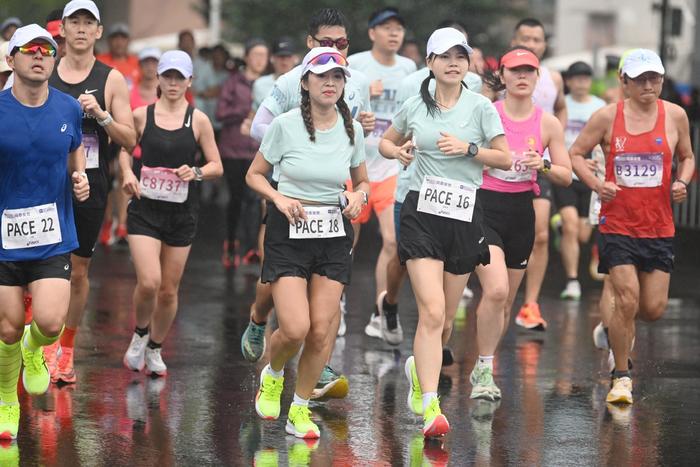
x=303 y=416
x=271 y=388
x=36 y=361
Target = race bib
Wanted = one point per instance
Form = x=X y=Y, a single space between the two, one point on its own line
x=447 y=198
x=518 y=172
x=594 y=209
x=91 y=143
x=162 y=184
x=639 y=170
x=30 y=227
x=321 y=222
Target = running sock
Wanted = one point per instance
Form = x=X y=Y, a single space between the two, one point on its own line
x=153 y=345
x=262 y=323
x=573 y=279
x=141 y=331
x=10 y=364
x=276 y=374
x=376 y=311
x=299 y=401
x=68 y=337
x=389 y=307
x=621 y=374
x=486 y=360
x=428 y=398
x=36 y=339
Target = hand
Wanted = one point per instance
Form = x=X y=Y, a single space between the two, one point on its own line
x=451 y=146
x=89 y=104
x=533 y=160
x=367 y=121
x=185 y=172
x=679 y=192
x=81 y=187
x=376 y=88
x=355 y=204
x=131 y=185
x=291 y=208
x=405 y=153
x=245 y=126
x=607 y=191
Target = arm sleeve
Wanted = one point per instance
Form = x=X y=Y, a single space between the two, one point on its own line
x=272 y=144
x=358 y=153
x=261 y=123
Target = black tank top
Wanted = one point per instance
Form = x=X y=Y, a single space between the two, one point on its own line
x=170 y=148
x=94 y=84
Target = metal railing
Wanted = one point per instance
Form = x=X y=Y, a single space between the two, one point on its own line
x=687 y=214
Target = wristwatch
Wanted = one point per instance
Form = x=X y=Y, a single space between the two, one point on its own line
x=472 y=150
x=683 y=182
x=365 y=198
x=198 y=175
x=107 y=120
x=547 y=166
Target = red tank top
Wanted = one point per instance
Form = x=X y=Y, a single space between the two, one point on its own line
x=641 y=166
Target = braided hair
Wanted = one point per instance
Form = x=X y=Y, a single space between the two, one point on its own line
x=305 y=108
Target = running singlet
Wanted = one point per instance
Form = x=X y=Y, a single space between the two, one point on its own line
x=36 y=190
x=162 y=151
x=95 y=139
x=521 y=136
x=641 y=166
x=545 y=95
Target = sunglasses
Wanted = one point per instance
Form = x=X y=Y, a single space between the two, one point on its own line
x=324 y=58
x=46 y=50
x=652 y=78
x=340 y=43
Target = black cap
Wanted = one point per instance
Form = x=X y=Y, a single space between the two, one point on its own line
x=283 y=46
x=579 y=69
x=384 y=15
x=254 y=42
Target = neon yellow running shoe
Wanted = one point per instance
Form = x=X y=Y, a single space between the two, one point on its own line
x=35 y=375
x=415 y=395
x=9 y=421
x=266 y=458
x=299 y=423
x=434 y=422
x=267 y=401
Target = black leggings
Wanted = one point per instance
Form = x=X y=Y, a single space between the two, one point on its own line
x=242 y=204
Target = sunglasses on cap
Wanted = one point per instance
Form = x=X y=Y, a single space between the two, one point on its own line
x=46 y=50
x=324 y=58
x=341 y=43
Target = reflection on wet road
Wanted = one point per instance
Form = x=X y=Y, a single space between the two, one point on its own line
x=553 y=410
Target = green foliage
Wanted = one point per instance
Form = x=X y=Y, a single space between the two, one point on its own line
x=32 y=11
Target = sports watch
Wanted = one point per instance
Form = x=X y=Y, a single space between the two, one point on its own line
x=198 y=175
x=547 y=166
x=472 y=150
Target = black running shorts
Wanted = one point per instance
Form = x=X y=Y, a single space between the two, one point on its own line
x=577 y=195
x=174 y=224
x=509 y=223
x=646 y=254
x=21 y=273
x=88 y=222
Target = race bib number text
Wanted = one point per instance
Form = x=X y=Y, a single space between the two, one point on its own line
x=162 y=184
x=321 y=222
x=518 y=172
x=91 y=143
x=639 y=170
x=30 y=227
x=447 y=198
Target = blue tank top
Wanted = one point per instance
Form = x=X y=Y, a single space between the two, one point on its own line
x=36 y=192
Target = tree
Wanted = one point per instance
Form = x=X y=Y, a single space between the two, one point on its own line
x=32 y=11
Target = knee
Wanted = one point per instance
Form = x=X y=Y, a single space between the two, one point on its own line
x=79 y=276
x=296 y=334
x=432 y=317
x=9 y=333
x=50 y=327
x=497 y=295
x=569 y=228
x=541 y=238
x=167 y=294
x=626 y=301
x=149 y=286
x=653 y=310
x=318 y=336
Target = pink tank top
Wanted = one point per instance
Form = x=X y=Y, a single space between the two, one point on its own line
x=521 y=136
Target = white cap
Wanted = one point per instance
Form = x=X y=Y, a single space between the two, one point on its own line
x=442 y=40
x=336 y=60
x=29 y=33
x=150 y=52
x=175 y=60
x=640 y=61
x=75 y=5
x=4 y=52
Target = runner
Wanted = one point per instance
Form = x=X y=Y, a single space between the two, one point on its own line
x=506 y=198
x=283 y=59
x=549 y=95
x=574 y=200
x=327 y=28
x=40 y=172
x=640 y=136
x=308 y=241
x=104 y=97
x=385 y=68
x=442 y=239
x=162 y=220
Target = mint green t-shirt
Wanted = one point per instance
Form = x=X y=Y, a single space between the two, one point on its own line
x=409 y=87
x=261 y=89
x=286 y=93
x=473 y=119
x=313 y=171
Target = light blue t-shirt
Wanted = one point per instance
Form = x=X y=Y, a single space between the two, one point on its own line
x=286 y=93
x=261 y=89
x=384 y=107
x=578 y=115
x=473 y=119
x=409 y=87
x=313 y=171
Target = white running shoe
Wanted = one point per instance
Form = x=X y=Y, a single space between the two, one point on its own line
x=374 y=327
x=572 y=291
x=467 y=293
x=600 y=337
x=342 y=329
x=134 y=357
x=392 y=332
x=154 y=362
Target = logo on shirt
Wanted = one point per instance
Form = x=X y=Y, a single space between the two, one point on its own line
x=659 y=140
x=63 y=128
x=620 y=143
x=481 y=240
x=90 y=91
x=187 y=123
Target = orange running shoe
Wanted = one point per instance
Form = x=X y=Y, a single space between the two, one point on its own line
x=530 y=318
x=106 y=233
x=51 y=354
x=65 y=371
